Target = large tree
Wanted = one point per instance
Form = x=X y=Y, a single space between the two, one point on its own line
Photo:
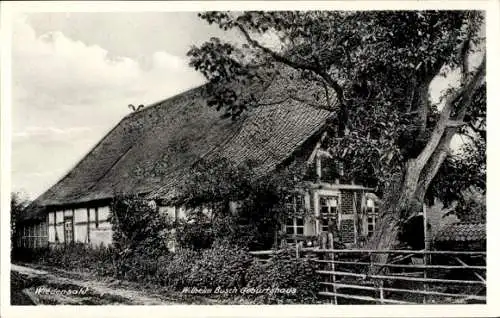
x=373 y=70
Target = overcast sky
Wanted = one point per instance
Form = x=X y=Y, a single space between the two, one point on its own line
x=75 y=73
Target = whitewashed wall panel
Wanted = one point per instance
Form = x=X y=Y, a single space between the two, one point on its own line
x=92 y=214
x=80 y=233
x=103 y=213
x=101 y=236
x=51 y=218
x=60 y=225
x=181 y=213
x=52 y=234
x=80 y=215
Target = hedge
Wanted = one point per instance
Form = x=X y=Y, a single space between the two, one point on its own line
x=224 y=266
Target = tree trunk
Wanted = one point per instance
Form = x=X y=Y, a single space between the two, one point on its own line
x=399 y=204
x=404 y=196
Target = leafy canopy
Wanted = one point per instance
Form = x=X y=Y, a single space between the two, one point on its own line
x=371 y=69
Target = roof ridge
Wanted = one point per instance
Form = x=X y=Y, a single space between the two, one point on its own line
x=162 y=101
x=149 y=107
x=66 y=175
x=188 y=130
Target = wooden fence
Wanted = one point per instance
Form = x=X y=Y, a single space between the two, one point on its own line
x=409 y=276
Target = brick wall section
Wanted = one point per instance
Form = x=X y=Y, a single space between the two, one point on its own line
x=346 y=234
x=347 y=231
x=346 y=202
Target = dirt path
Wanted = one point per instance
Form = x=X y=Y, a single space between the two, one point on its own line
x=54 y=286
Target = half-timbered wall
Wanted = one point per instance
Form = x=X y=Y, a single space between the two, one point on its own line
x=33 y=235
x=81 y=225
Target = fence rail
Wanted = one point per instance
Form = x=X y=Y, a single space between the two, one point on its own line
x=348 y=278
x=409 y=277
x=419 y=266
x=421 y=252
x=410 y=291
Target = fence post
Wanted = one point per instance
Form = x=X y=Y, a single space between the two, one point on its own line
x=323 y=256
x=331 y=246
x=381 y=292
x=426 y=287
x=426 y=248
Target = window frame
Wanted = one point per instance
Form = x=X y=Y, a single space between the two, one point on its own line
x=329 y=215
x=371 y=213
x=297 y=207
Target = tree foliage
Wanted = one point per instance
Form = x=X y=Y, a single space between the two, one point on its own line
x=259 y=201
x=373 y=70
x=138 y=227
x=18 y=202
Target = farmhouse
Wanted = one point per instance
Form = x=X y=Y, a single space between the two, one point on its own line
x=151 y=152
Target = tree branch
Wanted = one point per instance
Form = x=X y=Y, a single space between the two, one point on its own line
x=455 y=123
x=464 y=50
x=449 y=128
x=478 y=130
x=327 y=94
x=295 y=64
x=278 y=57
x=434 y=163
x=463 y=96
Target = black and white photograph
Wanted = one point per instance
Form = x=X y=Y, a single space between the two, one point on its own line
x=247 y=157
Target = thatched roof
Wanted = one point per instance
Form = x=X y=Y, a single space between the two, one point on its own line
x=152 y=150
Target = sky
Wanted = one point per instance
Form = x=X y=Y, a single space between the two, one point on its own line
x=74 y=75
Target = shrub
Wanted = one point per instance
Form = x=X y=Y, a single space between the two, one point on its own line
x=174 y=270
x=195 y=233
x=140 y=236
x=76 y=257
x=283 y=271
x=221 y=266
x=136 y=267
x=138 y=226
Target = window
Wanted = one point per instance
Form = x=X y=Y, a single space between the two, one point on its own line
x=328 y=209
x=295 y=226
x=295 y=208
x=371 y=220
x=328 y=205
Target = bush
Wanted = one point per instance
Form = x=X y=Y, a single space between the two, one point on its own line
x=221 y=266
x=283 y=271
x=79 y=257
x=138 y=226
x=28 y=255
x=224 y=265
x=140 y=236
x=174 y=270
x=194 y=234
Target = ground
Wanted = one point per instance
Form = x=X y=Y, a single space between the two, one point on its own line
x=26 y=279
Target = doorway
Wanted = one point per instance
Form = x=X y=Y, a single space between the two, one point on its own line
x=68 y=229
